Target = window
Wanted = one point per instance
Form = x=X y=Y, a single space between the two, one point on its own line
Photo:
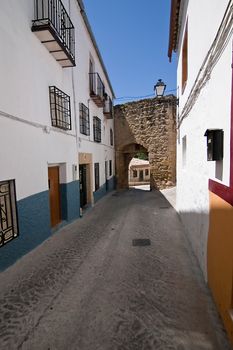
x=185 y=59
x=8 y=212
x=84 y=119
x=97 y=176
x=91 y=66
x=146 y=172
x=184 y=151
x=111 y=137
x=60 y=108
x=97 y=129
x=135 y=173
x=108 y=110
x=110 y=168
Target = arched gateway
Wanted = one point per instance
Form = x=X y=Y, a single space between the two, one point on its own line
x=147 y=126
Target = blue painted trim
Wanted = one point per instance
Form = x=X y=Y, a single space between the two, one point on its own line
x=112 y=184
x=34 y=221
x=101 y=192
x=70 y=201
x=34 y=228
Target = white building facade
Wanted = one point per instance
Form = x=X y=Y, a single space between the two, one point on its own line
x=201 y=34
x=45 y=79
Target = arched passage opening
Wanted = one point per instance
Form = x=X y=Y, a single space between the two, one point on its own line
x=125 y=173
x=139 y=172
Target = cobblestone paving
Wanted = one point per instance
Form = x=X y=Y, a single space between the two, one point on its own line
x=89 y=288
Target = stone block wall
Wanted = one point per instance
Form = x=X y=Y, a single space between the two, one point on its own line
x=148 y=125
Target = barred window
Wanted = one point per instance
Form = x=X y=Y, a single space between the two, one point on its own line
x=84 y=119
x=60 y=108
x=147 y=172
x=110 y=168
x=8 y=212
x=97 y=176
x=135 y=173
x=111 y=137
x=97 y=129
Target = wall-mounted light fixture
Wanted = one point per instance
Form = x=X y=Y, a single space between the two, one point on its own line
x=214 y=144
x=160 y=88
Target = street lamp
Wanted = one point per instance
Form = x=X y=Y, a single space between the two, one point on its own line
x=159 y=88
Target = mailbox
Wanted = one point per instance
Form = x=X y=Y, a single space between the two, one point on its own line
x=214 y=144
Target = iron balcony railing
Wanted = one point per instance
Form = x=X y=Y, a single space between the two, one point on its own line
x=108 y=107
x=52 y=13
x=96 y=88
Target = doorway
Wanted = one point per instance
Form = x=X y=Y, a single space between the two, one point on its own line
x=54 y=195
x=141 y=175
x=83 y=184
x=106 y=175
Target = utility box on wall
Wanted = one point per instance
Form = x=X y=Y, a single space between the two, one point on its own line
x=214 y=144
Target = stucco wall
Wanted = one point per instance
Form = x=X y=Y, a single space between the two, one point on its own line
x=28 y=142
x=85 y=50
x=211 y=110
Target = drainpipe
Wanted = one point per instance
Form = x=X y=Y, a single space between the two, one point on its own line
x=74 y=95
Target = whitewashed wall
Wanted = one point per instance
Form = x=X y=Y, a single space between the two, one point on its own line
x=84 y=51
x=27 y=70
x=212 y=110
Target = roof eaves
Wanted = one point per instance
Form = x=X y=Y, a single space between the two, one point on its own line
x=174 y=26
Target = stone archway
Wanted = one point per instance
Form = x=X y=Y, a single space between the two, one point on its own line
x=123 y=158
x=148 y=125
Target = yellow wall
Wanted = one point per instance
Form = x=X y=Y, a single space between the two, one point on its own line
x=220 y=258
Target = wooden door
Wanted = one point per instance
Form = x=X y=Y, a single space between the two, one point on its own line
x=106 y=175
x=54 y=195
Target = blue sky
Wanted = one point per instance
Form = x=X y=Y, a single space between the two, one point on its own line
x=132 y=36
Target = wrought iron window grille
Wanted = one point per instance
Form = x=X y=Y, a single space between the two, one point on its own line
x=97 y=129
x=97 y=176
x=60 y=108
x=84 y=119
x=111 y=137
x=110 y=168
x=8 y=212
x=52 y=15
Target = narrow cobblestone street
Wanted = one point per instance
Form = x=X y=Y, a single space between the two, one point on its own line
x=89 y=288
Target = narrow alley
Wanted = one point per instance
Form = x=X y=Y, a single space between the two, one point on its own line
x=91 y=287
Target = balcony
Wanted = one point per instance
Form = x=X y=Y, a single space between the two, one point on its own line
x=60 y=108
x=53 y=27
x=96 y=89
x=108 y=108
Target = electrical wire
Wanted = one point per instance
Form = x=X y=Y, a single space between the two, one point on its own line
x=137 y=97
x=219 y=44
